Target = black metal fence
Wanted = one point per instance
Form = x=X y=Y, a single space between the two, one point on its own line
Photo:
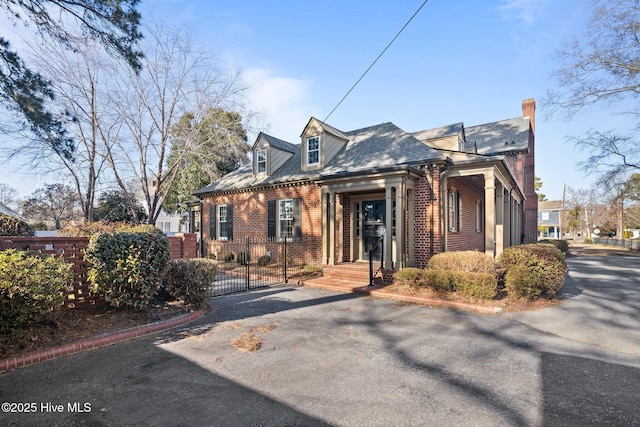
x=252 y=263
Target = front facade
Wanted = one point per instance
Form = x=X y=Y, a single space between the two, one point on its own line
x=549 y=219
x=381 y=192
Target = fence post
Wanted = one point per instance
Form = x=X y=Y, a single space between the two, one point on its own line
x=246 y=239
x=285 y=260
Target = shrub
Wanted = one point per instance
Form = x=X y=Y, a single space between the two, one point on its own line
x=188 y=280
x=470 y=261
x=533 y=270
x=228 y=257
x=127 y=268
x=10 y=226
x=477 y=285
x=409 y=276
x=101 y=227
x=264 y=260
x=563 y=245
x=32 y=286
x=474 y=285
x=439 y=280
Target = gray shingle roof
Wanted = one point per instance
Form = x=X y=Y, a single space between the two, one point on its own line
x=379 y=146
x=441 y=132
x=500 y=137
x=279 y=143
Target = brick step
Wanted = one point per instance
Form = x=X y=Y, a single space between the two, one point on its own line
x=356 y=273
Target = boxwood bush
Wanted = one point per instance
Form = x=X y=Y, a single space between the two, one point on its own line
x=533 y=271
x=563 y=245
x=32 y=287
x=474 y=285
x=127 y=268
x=471 y=261
x=189 y=280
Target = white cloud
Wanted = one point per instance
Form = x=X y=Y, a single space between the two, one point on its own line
x=282 y=102
x=524 y=10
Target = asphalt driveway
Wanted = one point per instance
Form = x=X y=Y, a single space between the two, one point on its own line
x=337 y=359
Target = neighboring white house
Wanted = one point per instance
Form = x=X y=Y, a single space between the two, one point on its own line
x=172 y=223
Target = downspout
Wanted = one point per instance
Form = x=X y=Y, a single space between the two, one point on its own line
x=443 y=202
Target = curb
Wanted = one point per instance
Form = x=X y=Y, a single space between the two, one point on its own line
x=381 y=293
x=97 y=341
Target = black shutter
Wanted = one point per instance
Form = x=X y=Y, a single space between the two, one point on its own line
x=297 y=219
x=271 y=219
x=230 y=222
x=212 y=222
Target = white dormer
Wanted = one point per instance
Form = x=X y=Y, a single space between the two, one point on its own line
x=269 y=154
x=320 y=142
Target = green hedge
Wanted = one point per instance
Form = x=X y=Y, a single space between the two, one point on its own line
x=474 y=285
x=533 y=271
x=32 y=286
x=127 y=268
x=10 y=226
x=189 y=280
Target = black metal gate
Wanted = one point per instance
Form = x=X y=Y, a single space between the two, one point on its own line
x=253 y=263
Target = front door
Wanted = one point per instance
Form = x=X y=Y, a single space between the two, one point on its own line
x=373 y=227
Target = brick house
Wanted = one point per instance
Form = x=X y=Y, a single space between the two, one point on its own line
x=417 y=193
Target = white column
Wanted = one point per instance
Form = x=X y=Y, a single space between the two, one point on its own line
x=499 y=237
x=490 y=214
x=332 y=228
x=400 y=236
x=388 y=235
x=325 y=228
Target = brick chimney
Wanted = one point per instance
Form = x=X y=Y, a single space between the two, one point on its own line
x=529 y=110
x=530 y=227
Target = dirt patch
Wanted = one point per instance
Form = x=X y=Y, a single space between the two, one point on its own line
x=247 y=343
x=70 y=325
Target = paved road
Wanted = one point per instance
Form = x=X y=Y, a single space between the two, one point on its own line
x=334 y=359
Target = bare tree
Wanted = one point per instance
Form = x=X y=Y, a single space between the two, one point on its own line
x=7 y=195
x=604 y=69
x=81 y=83
x=176 y=78
x=53 y=203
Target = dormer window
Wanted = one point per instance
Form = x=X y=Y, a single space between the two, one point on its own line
x=313 y=151
x=261 y=161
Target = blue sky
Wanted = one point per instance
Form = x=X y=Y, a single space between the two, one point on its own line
x=458 y=61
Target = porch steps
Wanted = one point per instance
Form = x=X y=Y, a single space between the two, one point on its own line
x=353 y=272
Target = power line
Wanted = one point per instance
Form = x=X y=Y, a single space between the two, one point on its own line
x=376 y=60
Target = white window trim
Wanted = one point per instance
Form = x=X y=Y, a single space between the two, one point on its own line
x=279 y=223
x=479 y=216
x=262 y=150
x=309 y=151
x=453 y=210
x=218 y=222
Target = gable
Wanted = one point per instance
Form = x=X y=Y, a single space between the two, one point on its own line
x=270 y=154
x=320 y=143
